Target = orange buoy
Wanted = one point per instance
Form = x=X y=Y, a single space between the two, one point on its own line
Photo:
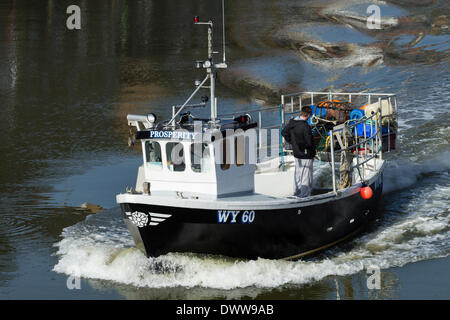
x=366 y=192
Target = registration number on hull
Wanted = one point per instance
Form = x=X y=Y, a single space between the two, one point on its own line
x=233 y=216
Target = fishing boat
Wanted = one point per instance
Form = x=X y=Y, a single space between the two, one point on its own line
x=224 y=184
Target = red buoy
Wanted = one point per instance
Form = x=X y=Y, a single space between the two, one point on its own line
x=366 y=192
x=196 y=19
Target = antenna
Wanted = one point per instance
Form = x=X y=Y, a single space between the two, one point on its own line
x=210 y=67
x=223 y=27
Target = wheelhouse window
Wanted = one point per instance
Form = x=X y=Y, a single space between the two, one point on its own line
x=239 y=151
x=225 y=165
x=175 y=156
x=153 y=155
x=200 y=157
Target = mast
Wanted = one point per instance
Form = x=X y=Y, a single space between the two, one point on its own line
x=210 y=71
x=209 y=63
x=210 y=68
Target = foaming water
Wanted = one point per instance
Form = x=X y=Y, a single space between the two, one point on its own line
x=101 y=248
x=415 y=227
x=403 y=173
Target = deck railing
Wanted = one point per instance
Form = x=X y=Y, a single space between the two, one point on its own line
x=365 y=149
x=371 y=145
x=264 y=122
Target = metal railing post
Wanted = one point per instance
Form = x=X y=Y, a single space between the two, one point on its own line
x=260 y=127
x=332 y=161
x=380 y=133
x=357 y=150
x=281 y=137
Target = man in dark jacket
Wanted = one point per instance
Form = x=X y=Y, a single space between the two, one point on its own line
x=299 y=135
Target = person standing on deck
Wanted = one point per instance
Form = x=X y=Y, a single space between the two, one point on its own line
x=298 y=134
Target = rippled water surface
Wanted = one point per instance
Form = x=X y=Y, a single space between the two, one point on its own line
x=65 y=95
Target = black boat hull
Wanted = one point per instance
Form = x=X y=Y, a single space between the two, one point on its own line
x=272 y=233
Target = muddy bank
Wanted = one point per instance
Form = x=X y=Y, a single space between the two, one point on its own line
x=440 y=25
x=90 y=208
x=312 y=42
x=263 y=79
x=346 y=40
x=412 y=3
x=339 y=55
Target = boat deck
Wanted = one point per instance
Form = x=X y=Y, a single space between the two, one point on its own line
x=248 y=201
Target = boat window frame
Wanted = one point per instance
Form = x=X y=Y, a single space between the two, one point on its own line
x=153 y=165
x=223 y=145
x=168 y=165
x=206 y=146
x=240 y=156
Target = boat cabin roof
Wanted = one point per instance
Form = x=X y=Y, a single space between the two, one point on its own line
x=187 y=130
